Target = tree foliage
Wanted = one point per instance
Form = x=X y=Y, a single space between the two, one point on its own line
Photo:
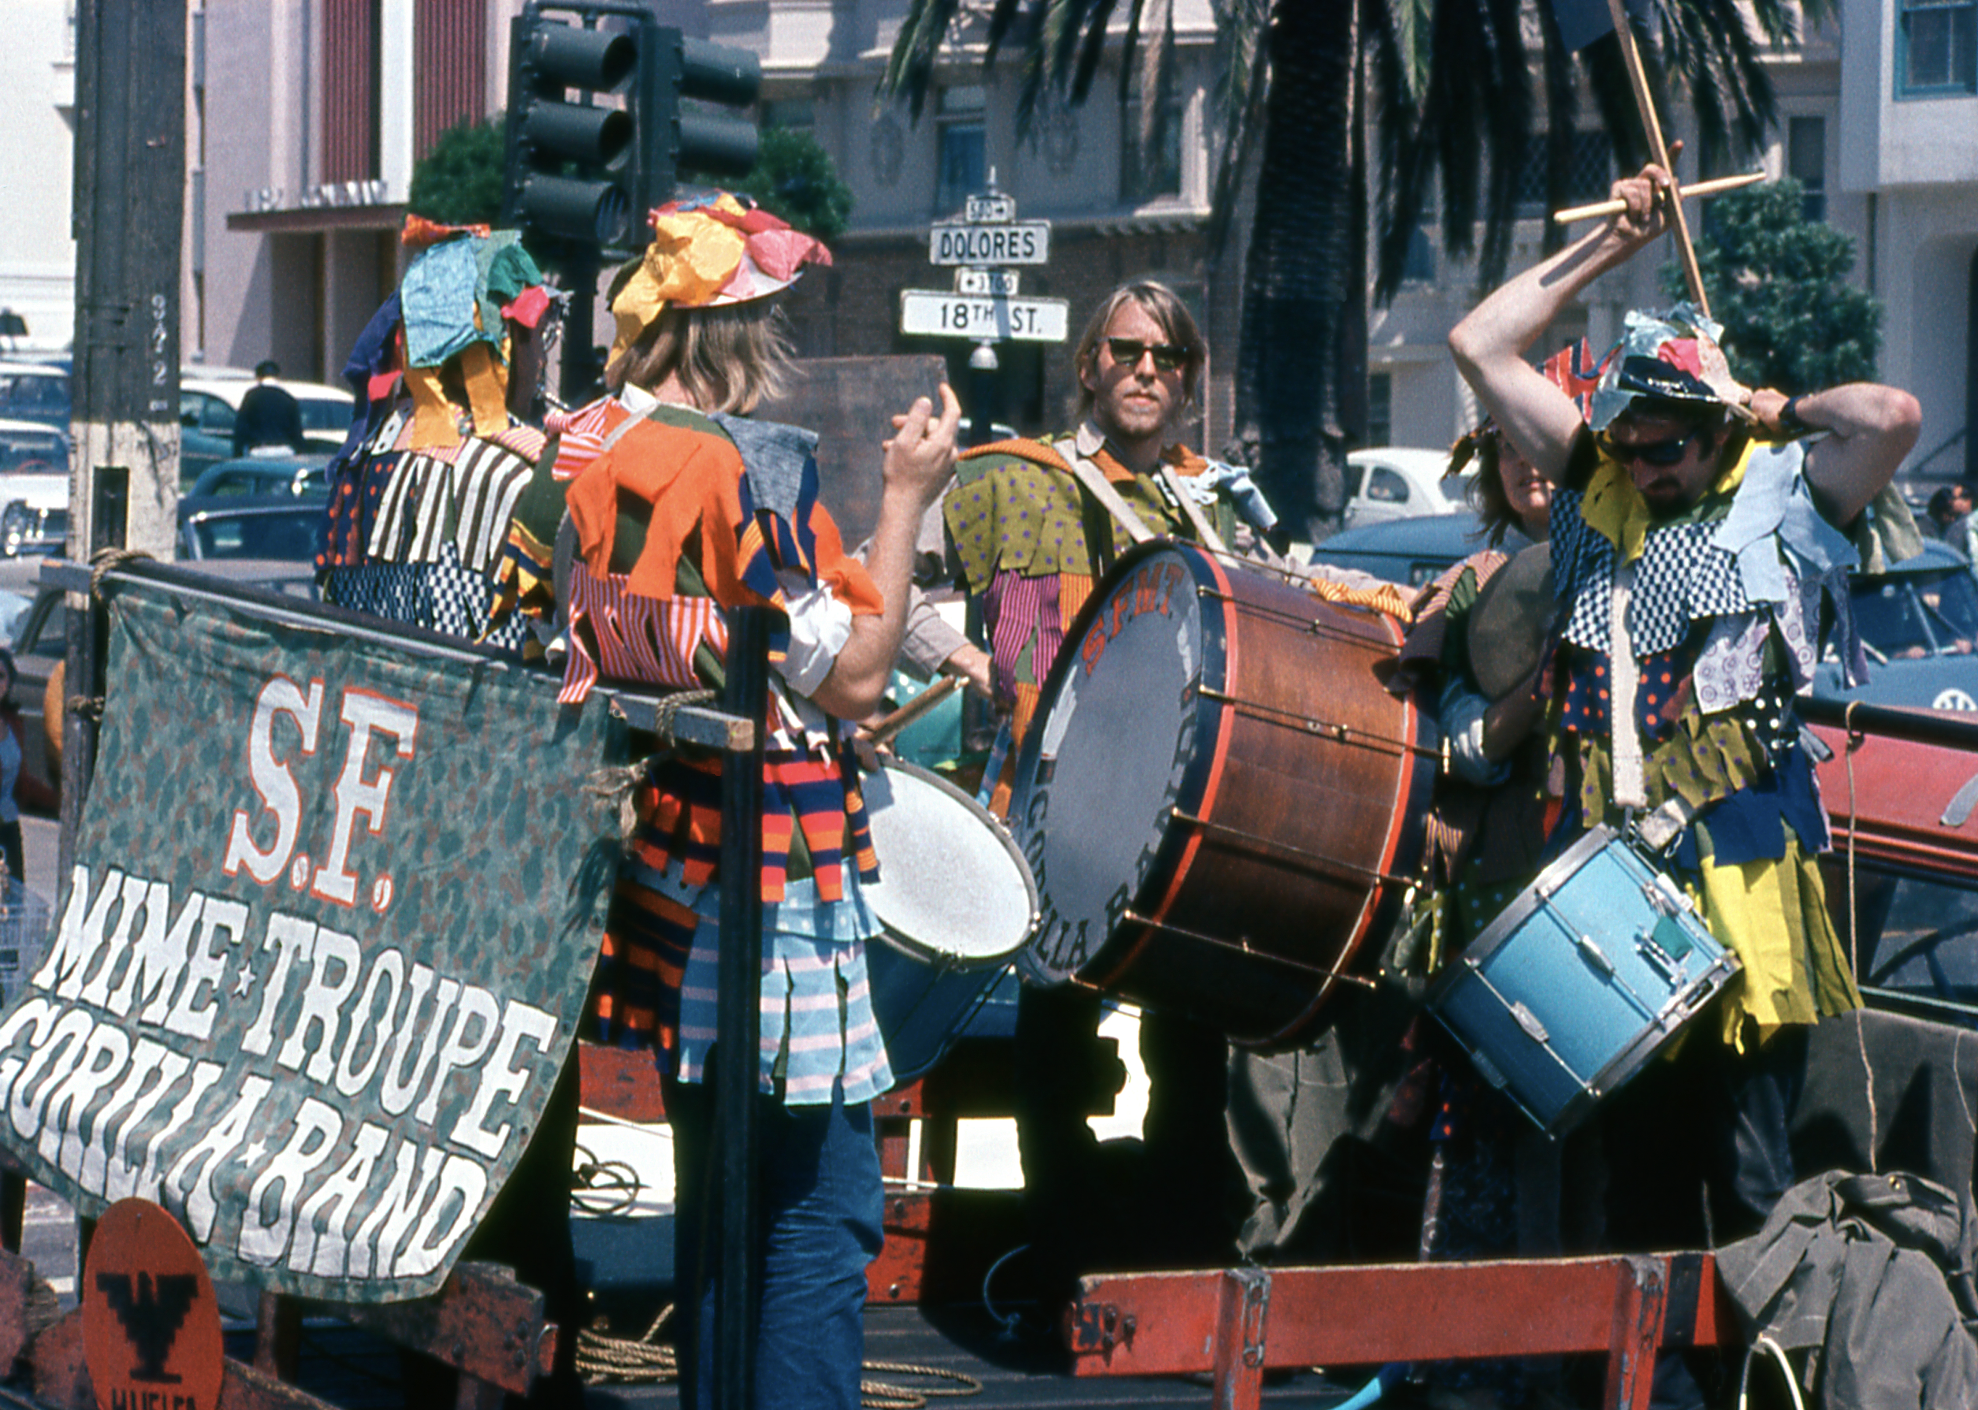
x=794 y=178
x=1778 y=283
x=459 y=181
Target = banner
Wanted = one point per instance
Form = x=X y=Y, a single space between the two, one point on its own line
x=322 y=950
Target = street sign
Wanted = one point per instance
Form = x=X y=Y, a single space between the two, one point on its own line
x=936 y=314
x=989 y=210
x=1020 y=242
x=1004 y=282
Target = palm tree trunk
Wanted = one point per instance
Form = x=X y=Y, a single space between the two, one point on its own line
x=1298 y=277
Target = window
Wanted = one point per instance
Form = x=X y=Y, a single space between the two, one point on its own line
x=963 y=152
x=1937 y=48
x=1806 y=163
x=794 y=114
x=1151 y=175
x=1589 y=170
x=1380 y=409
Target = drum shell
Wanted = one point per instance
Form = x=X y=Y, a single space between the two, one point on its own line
x=1297 y=817
x=1544 y=1021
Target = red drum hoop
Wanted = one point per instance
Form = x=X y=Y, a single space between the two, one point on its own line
x=1219 y=799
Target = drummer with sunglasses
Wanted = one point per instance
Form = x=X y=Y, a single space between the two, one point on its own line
x=1035 y=524
x=1697 y=528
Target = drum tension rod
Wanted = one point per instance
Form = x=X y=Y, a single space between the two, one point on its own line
x=1344 y=733
x=1242 y=946
x=1285 y=849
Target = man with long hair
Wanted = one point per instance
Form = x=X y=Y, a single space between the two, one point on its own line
x=1033 y=533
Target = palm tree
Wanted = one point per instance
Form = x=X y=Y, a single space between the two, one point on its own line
x=1449 y=87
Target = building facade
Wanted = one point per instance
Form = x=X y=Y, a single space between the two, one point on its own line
x=37 y=249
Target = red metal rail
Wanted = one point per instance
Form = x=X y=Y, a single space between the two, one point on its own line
x=1240 y=1322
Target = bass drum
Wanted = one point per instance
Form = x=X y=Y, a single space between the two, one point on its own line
x=1219 y=798
x=956 y=901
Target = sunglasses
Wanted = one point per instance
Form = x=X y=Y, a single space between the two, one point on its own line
x=1660 y=454
x=1127 y=352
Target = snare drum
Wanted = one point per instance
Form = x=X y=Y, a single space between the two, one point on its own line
x=956 y=900
x=1585 y=975
x=1219 y=797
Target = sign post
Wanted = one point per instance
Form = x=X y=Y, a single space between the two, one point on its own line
x=985 y=305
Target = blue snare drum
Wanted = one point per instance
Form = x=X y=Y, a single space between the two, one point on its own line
x=1571 y=991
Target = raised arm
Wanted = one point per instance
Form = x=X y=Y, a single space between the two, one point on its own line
x=1871 y=428
x=1490 y=344
x=919 y=460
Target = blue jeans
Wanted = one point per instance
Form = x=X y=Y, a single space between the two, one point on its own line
x=819 y=1208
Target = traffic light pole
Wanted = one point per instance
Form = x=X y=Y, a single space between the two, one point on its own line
x=581 y=370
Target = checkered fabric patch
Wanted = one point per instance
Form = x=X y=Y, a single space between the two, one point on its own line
x=441 y=596
x=1681 y=577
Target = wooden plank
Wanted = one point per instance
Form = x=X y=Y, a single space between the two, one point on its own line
x=61 y=1375
x=620 y=1082
x=481 y=1321
x=27 y=1307
x=245 y=1388
x=1169 y=1323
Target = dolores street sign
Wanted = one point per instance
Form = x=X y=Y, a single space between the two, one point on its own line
x=1021 y=242
x=928 y=312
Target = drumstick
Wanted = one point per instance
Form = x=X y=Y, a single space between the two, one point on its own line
x=1679 y=225
x=1714 y=187
x=913 y=709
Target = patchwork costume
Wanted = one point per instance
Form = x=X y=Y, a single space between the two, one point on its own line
x=670 y=516
x=423 y=491
x=1031 y=542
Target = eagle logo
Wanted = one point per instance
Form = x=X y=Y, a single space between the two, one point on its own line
x=151 y=1311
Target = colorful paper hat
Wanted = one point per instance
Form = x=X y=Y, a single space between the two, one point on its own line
x=708 y=250
x=1572 y=370
x=1671 y=356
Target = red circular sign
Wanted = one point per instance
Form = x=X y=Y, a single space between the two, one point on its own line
x=150 y=1325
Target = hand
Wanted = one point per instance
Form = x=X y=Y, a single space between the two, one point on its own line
x=1647 y=214
x=920 y=457
x=971 y=663
x=1767 y=407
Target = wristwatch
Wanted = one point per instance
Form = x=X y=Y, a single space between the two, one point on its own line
x=1789 y=419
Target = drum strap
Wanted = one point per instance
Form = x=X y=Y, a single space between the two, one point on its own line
x=1630 y=788
x=1205 y=532
x=1093 y=481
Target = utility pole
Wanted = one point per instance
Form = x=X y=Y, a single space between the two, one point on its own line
x=129 y=206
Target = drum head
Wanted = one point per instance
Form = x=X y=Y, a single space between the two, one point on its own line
x=1509 y=622
x=1107 y=759
x=952 y=885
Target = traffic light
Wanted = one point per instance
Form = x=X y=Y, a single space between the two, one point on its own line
x=678 y=138
x=602 y=119
x=565 y=173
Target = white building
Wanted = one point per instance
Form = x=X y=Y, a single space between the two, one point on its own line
x=37 y=252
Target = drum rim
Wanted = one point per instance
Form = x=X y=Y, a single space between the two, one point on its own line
x=916 y=949
x=1402 y=848
x=1194 y=777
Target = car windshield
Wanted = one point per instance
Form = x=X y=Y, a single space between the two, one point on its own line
x=324 y=414
x=13 y=608
x=1907 y=616
x=289 y=534
x=34 y=395
x=28 y=451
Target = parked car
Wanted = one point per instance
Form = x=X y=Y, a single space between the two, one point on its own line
x=283 y=527
x=208 y=402
x=1395 y=482
x=35 y=391
x=1410 y=551
x=264 y=474
x=1918 y=625
x=30 y=447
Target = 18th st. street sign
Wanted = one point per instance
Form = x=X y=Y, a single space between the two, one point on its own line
x=983 y=317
